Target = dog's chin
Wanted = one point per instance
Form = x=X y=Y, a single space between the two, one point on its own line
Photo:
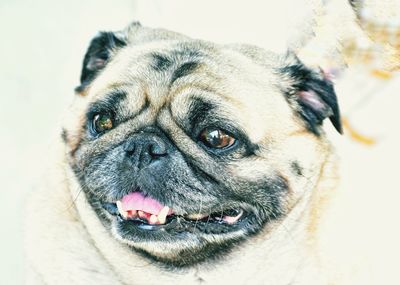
x=182 y=240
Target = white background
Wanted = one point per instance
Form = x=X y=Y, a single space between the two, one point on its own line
x=41 y=48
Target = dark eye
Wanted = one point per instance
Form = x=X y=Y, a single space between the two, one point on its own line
x=102 y=122
x=216 y=138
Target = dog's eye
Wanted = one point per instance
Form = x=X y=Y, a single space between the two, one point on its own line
x=216 y=138
x=102 y=123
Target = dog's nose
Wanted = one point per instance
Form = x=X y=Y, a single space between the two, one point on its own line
x=145 y=148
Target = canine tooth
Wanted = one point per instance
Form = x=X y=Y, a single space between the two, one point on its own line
x=153 y=220
x=162 y=215
x=231 y=220
x=123 y=213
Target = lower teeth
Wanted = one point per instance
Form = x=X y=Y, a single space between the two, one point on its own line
x=196 y=216
x=229 y=216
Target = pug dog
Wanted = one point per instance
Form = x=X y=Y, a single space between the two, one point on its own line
x=182 y=161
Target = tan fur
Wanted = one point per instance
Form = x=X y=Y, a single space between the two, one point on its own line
x=59 y=242
x=69 y=245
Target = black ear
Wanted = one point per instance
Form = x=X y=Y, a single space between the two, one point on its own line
x=100 y=50
x=311 y=93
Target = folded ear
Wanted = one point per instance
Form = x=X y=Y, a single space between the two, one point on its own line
x=311 y=93
x=100 y=51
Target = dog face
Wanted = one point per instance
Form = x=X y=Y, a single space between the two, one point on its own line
x=185 y=148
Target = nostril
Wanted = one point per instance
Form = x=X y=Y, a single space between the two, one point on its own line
x=129 y=147
x=142 y=149
x=157 y=149
x=130 y=152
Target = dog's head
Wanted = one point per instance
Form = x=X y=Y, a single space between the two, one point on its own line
x=185 y=148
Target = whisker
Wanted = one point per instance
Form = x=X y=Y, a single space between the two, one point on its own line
x=199 y=212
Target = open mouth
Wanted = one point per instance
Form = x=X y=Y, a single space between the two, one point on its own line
x=178 y=237
x=147 y=213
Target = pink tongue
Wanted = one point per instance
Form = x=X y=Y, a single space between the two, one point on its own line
x=137 y=201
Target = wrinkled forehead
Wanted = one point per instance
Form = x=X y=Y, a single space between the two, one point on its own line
x=194 y=81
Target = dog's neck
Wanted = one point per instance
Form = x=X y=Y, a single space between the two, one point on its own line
x=284 y=253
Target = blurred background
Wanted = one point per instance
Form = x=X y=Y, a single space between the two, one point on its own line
x=42 y=46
